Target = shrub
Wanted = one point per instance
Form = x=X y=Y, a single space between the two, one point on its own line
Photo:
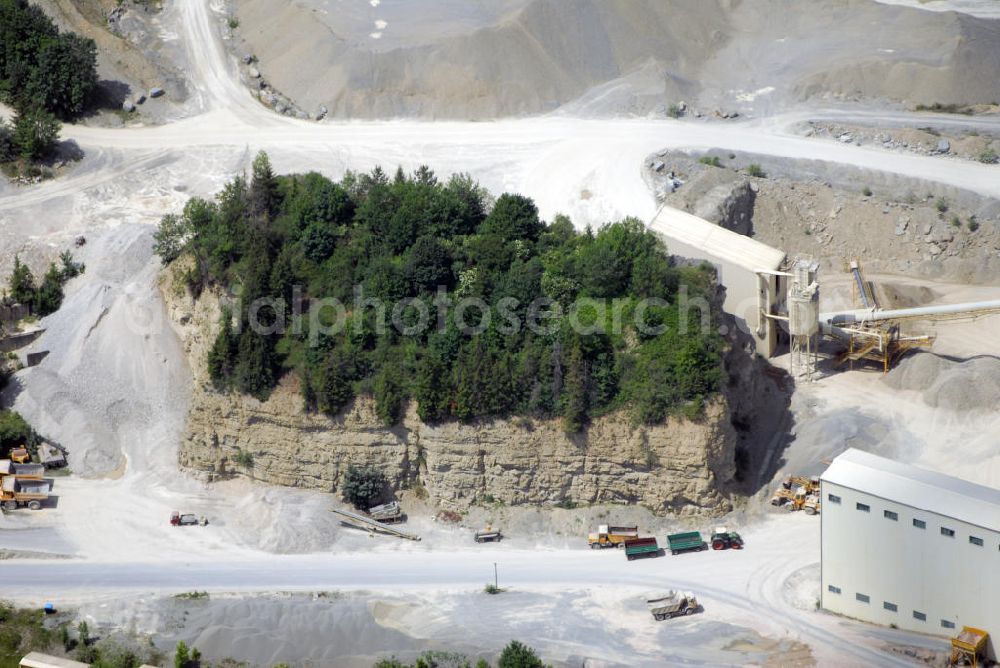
x=989 y=156
x=675 y=111
x=363 y=486
x=492 y=589
x=519 y=655
x=233 y=23
x=973 y=224
x=711 y=161
x=756 y=171
x=243 y=459
x=956 y=221
x=941 y=204
x=867 y=192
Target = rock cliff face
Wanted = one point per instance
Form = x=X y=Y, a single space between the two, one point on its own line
x=680 y=467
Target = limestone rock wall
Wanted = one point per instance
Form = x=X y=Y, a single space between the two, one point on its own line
x=680 y=467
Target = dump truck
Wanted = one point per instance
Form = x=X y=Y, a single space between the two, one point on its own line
x=690 y=541
x=640 y=548
x=672 y=604
x=610 y=536
x=387 y=513
x=488 y=535
x=16 y=492
x=178 y=519
x=724 y=539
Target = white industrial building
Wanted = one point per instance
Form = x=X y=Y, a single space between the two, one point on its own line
x=909 y=547
x=748 y=269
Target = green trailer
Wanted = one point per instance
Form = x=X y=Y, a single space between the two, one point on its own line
x=639 y=548
x=686 y=542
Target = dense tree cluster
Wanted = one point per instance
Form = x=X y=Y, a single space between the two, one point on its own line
x=46 y=298
x=45 y=75
x=41 y=67
x=411 y=242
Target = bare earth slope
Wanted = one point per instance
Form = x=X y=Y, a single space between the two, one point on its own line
x=615 y=55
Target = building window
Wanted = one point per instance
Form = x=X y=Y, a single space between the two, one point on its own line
x=832 y=589
x=833 y=498
x=891 y=607
x=945 y=531
x=863 y=507
x=946 y=624
x=976 y=541
x=889 y=515
x=864 y=598
x=920 y=524
x=919 y=615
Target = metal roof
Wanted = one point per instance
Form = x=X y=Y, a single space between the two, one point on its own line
x=716 y=241
x=916 y=487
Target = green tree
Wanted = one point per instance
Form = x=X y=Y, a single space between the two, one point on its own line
x=22 y=283
x=36 y=133
x=264 y=194
x=513 y=217
x=8 y=142
x=519 y=655
x=575 y=398
x=335 y=390
x=65 y=76
x=427 y=265
x=49 y=296
x=255 y=365
x=181 y=655
x=389 y=395
x=363 y=486
x=222 y=355
x=170 y=237
x=83 y=633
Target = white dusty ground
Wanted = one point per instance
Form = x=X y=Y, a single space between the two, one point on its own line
x=114 y=390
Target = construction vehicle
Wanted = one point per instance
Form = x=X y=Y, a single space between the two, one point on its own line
x=809 y=484
x=724 y=539
x=20 y=455
x=51 y=456
x=489 y=535
x=968 y=648
x=690 y=541
x=373 y=527
x=797 y=499
x=672 y=604
x=609 y=536
x=387 y=513
x=16 y=492
x=186 y=520
x=640 y=548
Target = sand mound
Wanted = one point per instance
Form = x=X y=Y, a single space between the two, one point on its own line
x=961 y=386
x=600 y=57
